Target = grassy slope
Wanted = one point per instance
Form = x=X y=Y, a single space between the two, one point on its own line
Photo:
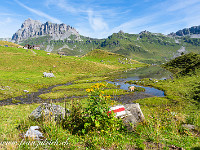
x=23 y=70
x=10 y=44
x=145 y=47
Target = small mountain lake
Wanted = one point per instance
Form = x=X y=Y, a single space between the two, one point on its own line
x=154 y=72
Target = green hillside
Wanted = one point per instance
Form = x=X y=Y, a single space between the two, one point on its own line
x=70 y=46
x=146 y=47
x=186 y=64
x=152 y=48
x=23 y=70
x=9 y=44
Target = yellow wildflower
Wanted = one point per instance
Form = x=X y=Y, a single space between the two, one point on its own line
x=89 y=90
x=108 y=97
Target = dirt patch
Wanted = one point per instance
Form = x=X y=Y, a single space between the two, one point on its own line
x=129 y=98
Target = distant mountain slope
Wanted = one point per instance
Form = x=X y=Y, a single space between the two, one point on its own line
x=152 y=48
x=147 y=47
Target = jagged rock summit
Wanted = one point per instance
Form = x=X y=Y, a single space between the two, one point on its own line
x=193 y=32
x=34 y=28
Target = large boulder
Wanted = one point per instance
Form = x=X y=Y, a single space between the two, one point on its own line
x=131 y=114
x=48 y=111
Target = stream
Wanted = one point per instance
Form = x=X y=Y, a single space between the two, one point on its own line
x=137 y=74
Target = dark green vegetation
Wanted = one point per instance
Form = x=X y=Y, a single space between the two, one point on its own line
x=147 y=47
x=184 y=65
x=164 y=116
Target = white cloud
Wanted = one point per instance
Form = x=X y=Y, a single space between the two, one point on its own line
x=64 y=5
x=39 y=13
x=136 y=24
x=96 y=22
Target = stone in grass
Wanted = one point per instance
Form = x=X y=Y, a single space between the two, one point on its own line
x=48 y=111
x=34 y=133
x=189 y=126
x=50 y=75
x=130 y=114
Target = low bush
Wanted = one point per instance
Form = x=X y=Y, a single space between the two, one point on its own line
x=94 y=117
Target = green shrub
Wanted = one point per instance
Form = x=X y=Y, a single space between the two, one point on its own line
x=94 y=117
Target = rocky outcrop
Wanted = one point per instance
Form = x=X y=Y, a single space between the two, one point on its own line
x=195 y=30
x=33 y=28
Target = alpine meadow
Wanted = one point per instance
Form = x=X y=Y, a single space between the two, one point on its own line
x=61 y=89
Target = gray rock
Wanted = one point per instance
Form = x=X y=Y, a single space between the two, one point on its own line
x=134 y=113
x=189 y=126
x=34 y=133
x=48 y=111
x=131 y=115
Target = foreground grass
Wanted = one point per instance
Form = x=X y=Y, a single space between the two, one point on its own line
x=164 y=117
x=162 y=127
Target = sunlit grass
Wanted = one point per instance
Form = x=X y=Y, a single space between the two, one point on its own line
x=23 y=70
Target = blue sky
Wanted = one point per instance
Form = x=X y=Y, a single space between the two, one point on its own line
x=101 y=18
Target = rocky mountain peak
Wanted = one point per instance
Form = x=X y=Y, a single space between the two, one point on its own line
x=30 y=23
x=193 y=32
x=33 y=28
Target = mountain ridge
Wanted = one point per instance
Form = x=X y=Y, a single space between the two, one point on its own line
x=147 y=47
x=193 y=32
x=34 y=28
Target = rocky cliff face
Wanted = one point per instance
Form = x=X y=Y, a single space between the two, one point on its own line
x=193 y=31
x=33 y=28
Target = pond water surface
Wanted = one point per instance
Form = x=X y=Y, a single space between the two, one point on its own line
x=154 y=72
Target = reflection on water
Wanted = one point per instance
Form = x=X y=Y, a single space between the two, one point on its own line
x=155 y=72
x=148 y=90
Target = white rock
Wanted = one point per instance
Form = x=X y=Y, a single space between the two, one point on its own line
x=50 y=75
x=34 y=133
